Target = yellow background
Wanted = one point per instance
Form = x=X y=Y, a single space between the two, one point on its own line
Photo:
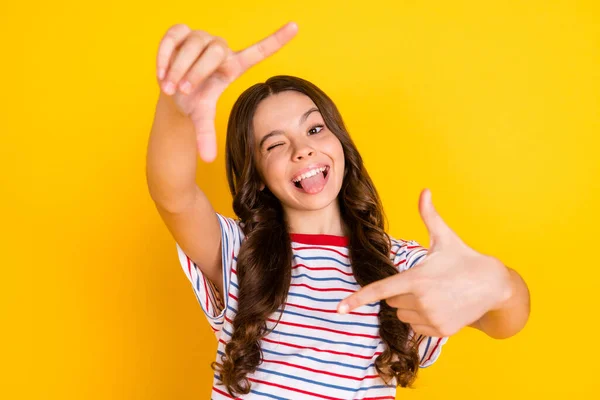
x=492 y=105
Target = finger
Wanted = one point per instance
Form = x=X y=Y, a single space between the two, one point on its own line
x=439 y=231
x=383 y=289
x=410 y=317
x=407 y=301
x=186 y=56
x=205 y=65
x=266 y=47
x=206 y=138
x=170 y=41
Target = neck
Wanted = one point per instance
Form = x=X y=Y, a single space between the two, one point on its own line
x=326 y=221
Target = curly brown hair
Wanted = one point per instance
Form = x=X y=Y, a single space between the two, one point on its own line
x=265 y=257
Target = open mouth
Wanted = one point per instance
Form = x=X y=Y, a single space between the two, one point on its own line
x=324 y=172
x=313 y=181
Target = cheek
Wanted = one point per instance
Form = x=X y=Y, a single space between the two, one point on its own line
x=274 y=170
x=336 y=151
x=340 y=160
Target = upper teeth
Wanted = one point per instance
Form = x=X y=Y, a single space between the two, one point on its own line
x=310 y=173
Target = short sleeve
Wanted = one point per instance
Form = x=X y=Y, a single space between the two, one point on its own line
x=406 y=254
x=206 y=293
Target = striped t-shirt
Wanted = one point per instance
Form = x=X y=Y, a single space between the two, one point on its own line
x=313 y=352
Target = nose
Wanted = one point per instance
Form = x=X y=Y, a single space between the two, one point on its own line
x=302 y=152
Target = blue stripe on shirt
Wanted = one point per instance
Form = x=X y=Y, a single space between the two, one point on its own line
x=426 y=348
x=256 y=392
x=314 y=298
x=415 y=262
x=329 y=320
x=325 y=279
x=321 y=258
x=318 y=339
x=321 y=383
x=313 y=359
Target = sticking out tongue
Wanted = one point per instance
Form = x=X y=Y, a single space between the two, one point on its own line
x=314 y=184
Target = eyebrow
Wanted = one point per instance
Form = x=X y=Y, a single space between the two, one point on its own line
x=279 y=132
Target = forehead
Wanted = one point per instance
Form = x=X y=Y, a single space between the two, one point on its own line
x=280 y=111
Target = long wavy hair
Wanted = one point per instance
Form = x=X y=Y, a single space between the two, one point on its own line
x=265 y=257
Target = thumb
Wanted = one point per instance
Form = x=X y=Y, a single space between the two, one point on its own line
x=207 y=147
x=439 y=231
x=206 y=137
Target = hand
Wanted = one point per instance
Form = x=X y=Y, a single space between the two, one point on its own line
x=450 y=288
x=195 y=67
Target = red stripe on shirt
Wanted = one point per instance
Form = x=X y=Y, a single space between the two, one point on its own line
x=320 y=248
x=323 y=329
x=322 y=372
x=313 y=269
x=323 y=269
x=323 y=289
x=294 y=389
x=313 y=348
x=189 y=266
x=225 y=393
x=332 y=311
x=400 y=262
x=231 y=295
x=296 y=346
x=434 y=349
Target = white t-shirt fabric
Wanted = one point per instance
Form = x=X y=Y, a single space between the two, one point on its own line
x=313 y=352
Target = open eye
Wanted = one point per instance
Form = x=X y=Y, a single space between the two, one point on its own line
x=315 y=129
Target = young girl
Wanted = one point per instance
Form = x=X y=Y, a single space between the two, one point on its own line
x=309 y=234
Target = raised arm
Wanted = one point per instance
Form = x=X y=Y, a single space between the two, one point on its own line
x=193 y=69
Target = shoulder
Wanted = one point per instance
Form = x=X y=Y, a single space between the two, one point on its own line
x=231 y=226
x=405 y=253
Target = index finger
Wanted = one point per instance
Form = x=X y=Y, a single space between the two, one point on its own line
x=173 y=38
x=267 y=47
x=380 y=290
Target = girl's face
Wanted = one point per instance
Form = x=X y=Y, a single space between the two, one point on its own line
x=300 y=160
